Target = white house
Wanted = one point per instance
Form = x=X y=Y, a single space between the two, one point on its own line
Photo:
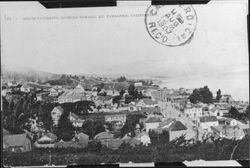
x=215 y=111
x=138 y=84
x=116 y=117
x=56 y=114
x=72 y=96
x=146 y=102
x=25 y=89
x=79 y=88
x=76 y=120
x=176 y=130
x=206 y=122
x=53 y=92
x=231 y=122
x=152 y=123
x=193 y=111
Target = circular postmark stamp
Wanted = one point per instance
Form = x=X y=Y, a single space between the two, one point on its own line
x=172 y=25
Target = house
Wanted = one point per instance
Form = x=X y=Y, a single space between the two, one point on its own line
x=192 y=111
x=47 y=141
x=16 y=143
x=70 y=144
x=215 y=111
x=115 y=117
x=74 y=95
x=138 y=84
x=146 y=102
x=53 y=92
x=104 y=135
x=33 y=124
x=82 y=138
x=224 y=110
x=112 y=92
x=25 y=88
x=39 y=96
x=228 y=131
x=52 y=136
x=152 y=123
x=230 y=121
x=152 y=111
x=76 y=120
x=159 y=95
x=56 y=114
x=206 y=122
x=164 y=125
x=79 y=89
x=226 y=98
x=176 y=129
x=179 y=99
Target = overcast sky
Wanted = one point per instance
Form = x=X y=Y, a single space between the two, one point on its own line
x=78 y=46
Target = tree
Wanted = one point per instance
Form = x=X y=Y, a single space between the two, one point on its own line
x=131 y=90
x=154 y=137
x=121 y=92
x=102 y=85
x=128 y=99
x=116 y=99
x=233 y=112
x=65 y=129
x=45 y=115
x=203 y=95
x=164 y=137
x=218 y=95
x=247 y=113
x=98 y=89
x=93 y=128
x=121 y=79
x=129 y=126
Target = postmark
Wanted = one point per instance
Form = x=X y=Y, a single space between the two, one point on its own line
x=171 y=25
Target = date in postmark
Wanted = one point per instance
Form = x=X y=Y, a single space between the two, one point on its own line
x=171 y=25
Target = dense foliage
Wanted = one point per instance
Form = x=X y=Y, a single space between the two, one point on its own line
x=65 y=80
x=65 y=129
x=203 y=95
x=176 y=150
x=92 y=128
x=234 y=113
x=218 y=95
x=19 y=108
x=130 y=124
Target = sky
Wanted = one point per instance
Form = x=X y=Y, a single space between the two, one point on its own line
x=81 y=46
x=75 y=46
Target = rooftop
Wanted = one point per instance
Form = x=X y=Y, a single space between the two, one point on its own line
x=153 y=120
x=208 y=119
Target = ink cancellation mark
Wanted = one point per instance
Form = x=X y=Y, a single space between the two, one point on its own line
x=172 y=25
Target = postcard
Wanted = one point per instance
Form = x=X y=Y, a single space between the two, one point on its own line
x=125 y=84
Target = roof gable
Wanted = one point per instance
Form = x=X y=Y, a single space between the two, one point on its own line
x=104 y=135
x=177 y=126
x=59 y=108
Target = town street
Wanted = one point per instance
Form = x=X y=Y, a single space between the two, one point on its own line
x=169 y=111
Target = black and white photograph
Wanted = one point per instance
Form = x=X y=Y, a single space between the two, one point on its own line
x=124 y=84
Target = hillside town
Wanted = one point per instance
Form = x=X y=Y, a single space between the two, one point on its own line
x=113 y=112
